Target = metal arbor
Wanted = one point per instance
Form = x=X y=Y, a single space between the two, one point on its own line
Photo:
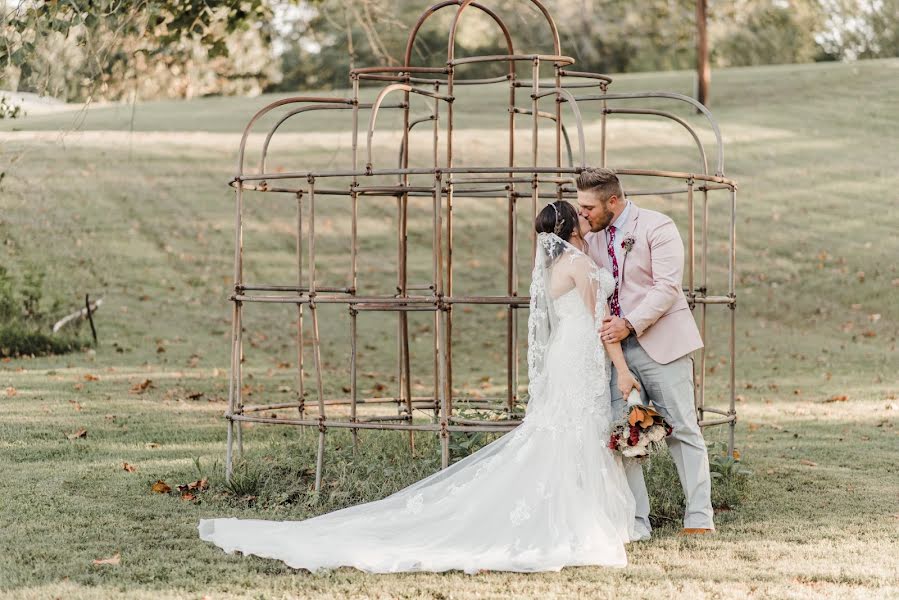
x=584 y=95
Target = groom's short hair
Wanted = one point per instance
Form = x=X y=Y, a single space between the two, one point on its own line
x=601 y=180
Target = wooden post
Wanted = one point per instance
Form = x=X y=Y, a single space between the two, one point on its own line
x=703 y=74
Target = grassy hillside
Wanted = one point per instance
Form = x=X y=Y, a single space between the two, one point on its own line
x=136 y=210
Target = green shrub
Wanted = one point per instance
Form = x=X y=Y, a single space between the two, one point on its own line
x=25 y=322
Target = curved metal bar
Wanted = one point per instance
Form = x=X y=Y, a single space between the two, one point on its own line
x=511 y=58
x=272 y=106
x=577 y=117
x=377 y=105
x=719 y=171
x=411 y=125
x=585 y=75
x=667 y=115
x=551 y=117
x=407 y=57
x=268 y=137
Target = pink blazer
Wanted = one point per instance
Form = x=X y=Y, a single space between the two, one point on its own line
x=650 y=291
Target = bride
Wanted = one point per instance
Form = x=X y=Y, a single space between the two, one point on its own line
x=548 y=494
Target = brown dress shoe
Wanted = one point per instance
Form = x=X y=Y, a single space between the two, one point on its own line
x=696 y=531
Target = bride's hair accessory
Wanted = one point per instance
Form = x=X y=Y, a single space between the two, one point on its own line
x=559 y=220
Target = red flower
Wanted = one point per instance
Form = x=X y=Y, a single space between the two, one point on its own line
x=613 y=442
x=634 y=436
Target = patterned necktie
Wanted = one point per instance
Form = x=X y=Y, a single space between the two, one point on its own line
x=613 y=301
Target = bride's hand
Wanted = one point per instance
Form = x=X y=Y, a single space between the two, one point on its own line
x=626 y=383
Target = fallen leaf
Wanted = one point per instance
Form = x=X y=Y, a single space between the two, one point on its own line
x=75 y=404
x=91 y=377
x=736 y=454
x=188 y=497
x=161 y=487
x=129 y=468
x=838 y=398
x=808 y=463
x=81 y=433
x=11 y=391
x=142 y=386
x=112 y=560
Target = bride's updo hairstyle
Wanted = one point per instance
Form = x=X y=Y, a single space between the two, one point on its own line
x=558 y=217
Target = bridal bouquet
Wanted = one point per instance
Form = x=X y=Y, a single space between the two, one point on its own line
x=641 y=431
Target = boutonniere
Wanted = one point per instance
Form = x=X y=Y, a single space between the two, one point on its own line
x=628 y=243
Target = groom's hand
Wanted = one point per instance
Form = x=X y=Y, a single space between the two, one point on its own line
x=614 y=329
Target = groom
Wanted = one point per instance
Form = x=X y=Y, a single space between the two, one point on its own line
x=650 y=317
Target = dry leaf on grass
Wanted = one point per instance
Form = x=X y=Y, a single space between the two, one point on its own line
x=81 y=433
x=188 y=497
x=838 y=398
x=161 y=487
x=91 y=377
x=75 y=405
x=129 y=468
x=808 y=463
x=141 y=387
x=112 y=560
x=11 y=391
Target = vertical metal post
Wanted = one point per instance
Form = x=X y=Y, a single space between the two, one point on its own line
x=731 y=285
x=316 y=341
x=300 y=363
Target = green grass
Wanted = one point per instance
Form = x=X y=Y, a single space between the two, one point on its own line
x=146 y=221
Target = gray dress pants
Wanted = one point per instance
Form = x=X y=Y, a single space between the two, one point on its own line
x=670 y=389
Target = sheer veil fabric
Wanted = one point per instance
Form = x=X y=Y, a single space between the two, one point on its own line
x=546 y=495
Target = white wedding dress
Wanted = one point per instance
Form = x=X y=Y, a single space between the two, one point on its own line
x=546 y=495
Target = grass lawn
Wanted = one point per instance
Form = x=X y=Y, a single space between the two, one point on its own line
x=137 y=211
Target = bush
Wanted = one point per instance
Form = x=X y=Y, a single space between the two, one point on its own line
x=25 y=322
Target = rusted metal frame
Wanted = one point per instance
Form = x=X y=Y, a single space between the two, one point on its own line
x=296 y=111
x=377 y=104
x=299 y=290
x=436 y=265
x=719 y=168
x=603 y=123
x=535 y=111
x=234 y=391
x=229 y=452
x=268 y=108
x=546 y=115
x=732 y=419
x=355 y=107
x=450 y=170
x=484 y=81
x=336 y=402
x=569 y=97
x=603 y=79
x=704 y=163
x=557 y=67
x=703 y=310
x=731 y=285
x=499 y=427
x=350 y=300
x=399 y=69
x=316 y=341
x=691 y=284
x=512 y=260
x=405 y=375
x=565 y=60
